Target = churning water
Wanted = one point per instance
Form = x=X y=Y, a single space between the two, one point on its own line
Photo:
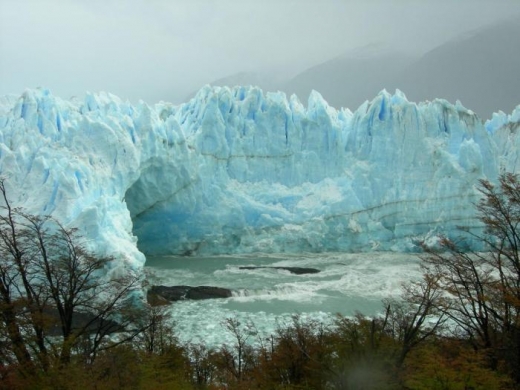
x=347 y=283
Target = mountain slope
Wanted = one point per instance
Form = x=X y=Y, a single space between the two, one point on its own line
x=479 y=69
x=350 y=79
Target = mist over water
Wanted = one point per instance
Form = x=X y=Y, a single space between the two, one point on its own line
x=347 y=283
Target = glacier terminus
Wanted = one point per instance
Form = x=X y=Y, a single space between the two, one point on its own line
x=242 y=171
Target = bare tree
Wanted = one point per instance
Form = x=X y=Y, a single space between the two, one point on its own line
x=237 y=358
x=416 y=317
x=13 y=272
x=52 y=288
x=157 y=336
x=482 y=289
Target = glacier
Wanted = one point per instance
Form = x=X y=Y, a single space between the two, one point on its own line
x=241 y=171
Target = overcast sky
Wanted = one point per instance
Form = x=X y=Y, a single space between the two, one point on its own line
x=164 y=50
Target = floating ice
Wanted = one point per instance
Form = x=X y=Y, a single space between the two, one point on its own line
x=348 y=283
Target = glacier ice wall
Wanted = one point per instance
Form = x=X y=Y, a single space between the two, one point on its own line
x=239 y=170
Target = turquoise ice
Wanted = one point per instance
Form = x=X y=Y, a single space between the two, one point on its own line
x=237 y=171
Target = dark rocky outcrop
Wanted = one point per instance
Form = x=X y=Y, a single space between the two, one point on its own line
x=161 y=295
x=294 y=270
x=207 y=292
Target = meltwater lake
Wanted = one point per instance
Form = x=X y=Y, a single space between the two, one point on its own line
x=347 y=283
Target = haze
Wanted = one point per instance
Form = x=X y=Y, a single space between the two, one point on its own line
x=165 y=50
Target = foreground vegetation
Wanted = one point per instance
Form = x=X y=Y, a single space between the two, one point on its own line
x=456 y=328
x=359 y=354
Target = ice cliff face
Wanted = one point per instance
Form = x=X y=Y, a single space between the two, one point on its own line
x=237 y=170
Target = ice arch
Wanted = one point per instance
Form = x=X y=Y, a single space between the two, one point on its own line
x=159 y=203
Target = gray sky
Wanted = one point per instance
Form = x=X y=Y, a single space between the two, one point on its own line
x=163 y=50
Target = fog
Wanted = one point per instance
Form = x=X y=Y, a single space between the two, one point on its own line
x=164 y=50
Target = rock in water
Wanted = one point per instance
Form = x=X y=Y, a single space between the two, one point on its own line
x=207 y=292
x=293 y=270
x=158 y=295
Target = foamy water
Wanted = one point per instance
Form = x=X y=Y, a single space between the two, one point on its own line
x=347 y=283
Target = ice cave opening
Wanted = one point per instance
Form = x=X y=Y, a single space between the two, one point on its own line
x=156 y=209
